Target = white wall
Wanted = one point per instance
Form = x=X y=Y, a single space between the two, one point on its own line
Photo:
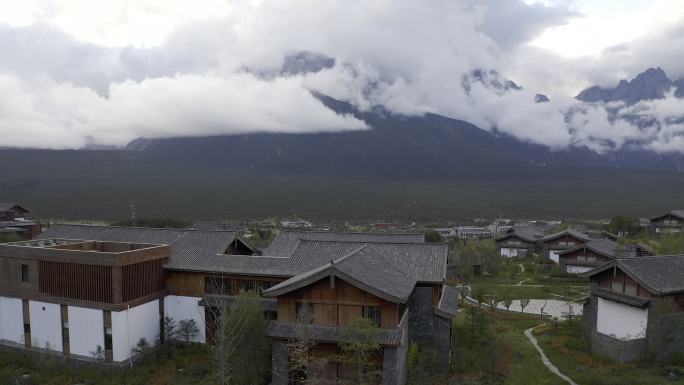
x=621 y=321
x=130 y=325
x=46 y=325
x=86 y=330
x=509 y=252
x=572 y=269
x=183 y=308
x=553 y=255
x=11 y=320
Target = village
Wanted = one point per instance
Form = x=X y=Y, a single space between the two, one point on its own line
x=381 y=303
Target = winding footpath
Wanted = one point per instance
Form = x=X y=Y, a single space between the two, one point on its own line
x=545 y=360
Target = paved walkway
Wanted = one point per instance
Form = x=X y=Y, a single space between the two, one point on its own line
x=552 y=307
x=545 y=360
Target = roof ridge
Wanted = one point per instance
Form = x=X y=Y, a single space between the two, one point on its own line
x=140 y=227
x=344 y=257
x=349 y=232
x=369 y=242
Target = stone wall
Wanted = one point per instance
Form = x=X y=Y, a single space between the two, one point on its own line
x=618 y=350
x=420 y=315
x=665 y=335
x=589 y=315
x=395 y=359
x=279 y=363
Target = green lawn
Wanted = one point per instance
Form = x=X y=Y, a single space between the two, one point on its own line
x=566 y=348
x=170 y=365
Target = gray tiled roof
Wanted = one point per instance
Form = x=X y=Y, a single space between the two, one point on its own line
x=526 y=233
x=620 y=297
x=448 y=304
x=609 y=248
x=6 y=206
x=662 y=274
x=291 y=331
x=571 y=232
x=286 y=240
x=187 y=245
x=677 y=213
x=364 y=268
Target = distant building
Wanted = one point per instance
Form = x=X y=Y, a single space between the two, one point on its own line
x=587 y=256
x=296 y=224
x=518 y=242
x=554 y=243
x=445 y=231
x=471 y=232
x=636 y=308
x=238 y=228
x=394 y=226
x=14 y=220
x=669 y=222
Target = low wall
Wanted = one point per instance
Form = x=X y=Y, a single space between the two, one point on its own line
x=618 y=350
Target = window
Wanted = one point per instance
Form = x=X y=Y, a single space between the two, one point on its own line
x=305 y=312
x=27 y=328
x=65 y=332
x=108 y=338
x=562 y=243
x=372 y=313
x=571 y=243
x=25 y=273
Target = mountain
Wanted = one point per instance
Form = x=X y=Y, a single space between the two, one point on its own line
x=648 y=85
x=395 y=146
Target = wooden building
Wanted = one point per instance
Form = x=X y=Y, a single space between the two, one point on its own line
x=636 y=308
x=587 y=256
x=518 y=242
x=669 y=222
x=552 y=244
x=14 y=220
x=71 y=296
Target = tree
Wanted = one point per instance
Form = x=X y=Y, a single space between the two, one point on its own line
x=493 y=301
x=541 y=310
x=507 y=301
x=306 y=366
x=359 y=348
x=240 y=351
x=169 y=329
x=523 y=304
x=98 y=353
x=431 y=236
x=188 y=330
x=623 y=225
x=141 y=347
x=480 y=296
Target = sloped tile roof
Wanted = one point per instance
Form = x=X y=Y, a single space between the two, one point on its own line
x=186 y=245
x=363 y=268
x=448 y=304
x=571 y=232
x=661 y=274
x=286 y=241
x=677 y=213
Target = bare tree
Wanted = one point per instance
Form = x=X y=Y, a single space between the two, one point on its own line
x=523 y=304
x=541 y=311
x=507 y=301
x=493 y=301
x=308 y=369
x=226 y=329
x=188 y=330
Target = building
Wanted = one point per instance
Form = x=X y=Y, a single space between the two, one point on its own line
x=14 y=220
x=396 y=279
x=552 y=244
x=669 y=222
x=585 y=257
x=636 y=308
x=518 y=242
x=70 y=296
x=238 y=228
x=472 y=232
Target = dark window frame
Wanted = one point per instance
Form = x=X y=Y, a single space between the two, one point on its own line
x=25 y=276
x=372 y=313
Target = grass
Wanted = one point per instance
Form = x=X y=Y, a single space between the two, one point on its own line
x=569 y=351
x=171 y=365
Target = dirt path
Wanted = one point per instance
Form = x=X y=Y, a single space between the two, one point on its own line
x=545 y=360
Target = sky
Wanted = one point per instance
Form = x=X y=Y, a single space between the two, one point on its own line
x=75 y=73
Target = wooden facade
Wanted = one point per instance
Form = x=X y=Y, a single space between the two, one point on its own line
x=336 y=304
x=616 y=280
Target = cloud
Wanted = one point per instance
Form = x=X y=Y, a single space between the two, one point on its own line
x=72 y=83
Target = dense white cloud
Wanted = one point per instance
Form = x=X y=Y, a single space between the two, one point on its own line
x=77 y=75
